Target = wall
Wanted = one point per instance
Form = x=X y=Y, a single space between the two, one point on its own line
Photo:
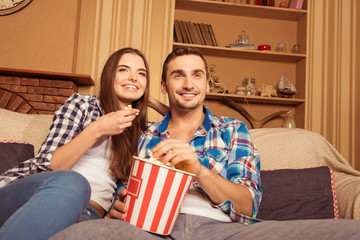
x=52 y=35
x=42 y=36
x=106 y=26
x=333 y=75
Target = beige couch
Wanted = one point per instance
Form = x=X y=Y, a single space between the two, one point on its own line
x=279 y=149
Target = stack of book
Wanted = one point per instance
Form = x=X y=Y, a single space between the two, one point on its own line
x=194 y=33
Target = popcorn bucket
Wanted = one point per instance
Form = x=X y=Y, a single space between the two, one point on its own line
x=155 y=195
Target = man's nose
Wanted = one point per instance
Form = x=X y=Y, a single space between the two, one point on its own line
x=187 y=84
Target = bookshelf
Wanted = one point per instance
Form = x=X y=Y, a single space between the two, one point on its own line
x=264 y=25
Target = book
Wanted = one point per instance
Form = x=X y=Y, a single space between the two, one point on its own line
x=183 y=32
x=188 y=33
x=192 y=33
x=196 y=34
x=212 y=35
x=205 y=34
x=242 y=46
x=177 y=31
x=198 y=30
x=296 y=4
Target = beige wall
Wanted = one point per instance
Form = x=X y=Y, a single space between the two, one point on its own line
x=77 y=36
x=333 y=74
x=40 y=37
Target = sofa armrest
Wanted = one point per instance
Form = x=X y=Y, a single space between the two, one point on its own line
x=347 y=190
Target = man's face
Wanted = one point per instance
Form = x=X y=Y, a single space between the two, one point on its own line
x=186 y=83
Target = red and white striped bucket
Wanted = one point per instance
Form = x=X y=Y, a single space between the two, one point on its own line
x=155 y=195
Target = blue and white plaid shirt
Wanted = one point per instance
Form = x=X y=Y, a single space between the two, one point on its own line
x=223 y=145
x=69 y=120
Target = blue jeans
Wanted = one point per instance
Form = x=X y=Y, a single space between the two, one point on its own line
x=38 y=206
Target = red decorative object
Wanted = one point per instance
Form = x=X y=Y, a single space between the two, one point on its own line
x=264 y=47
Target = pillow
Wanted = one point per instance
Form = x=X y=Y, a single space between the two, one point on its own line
x=290 y=194
x=12 y=153
x=30 y=128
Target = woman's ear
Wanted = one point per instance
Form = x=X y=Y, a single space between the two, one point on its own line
x=163 y=87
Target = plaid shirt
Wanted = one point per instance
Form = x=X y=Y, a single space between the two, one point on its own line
x=223 y=145
x=69 y=120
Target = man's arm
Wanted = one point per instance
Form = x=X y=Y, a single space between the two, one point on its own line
x=219 y=189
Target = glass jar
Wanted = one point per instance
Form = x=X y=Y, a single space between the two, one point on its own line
x=289 y=120
x=243 y=38
x=250 y=85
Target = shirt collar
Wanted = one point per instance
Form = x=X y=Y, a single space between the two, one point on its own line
x=202 y=130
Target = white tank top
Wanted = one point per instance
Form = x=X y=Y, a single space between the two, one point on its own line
x=94 y=165
x=196 y=204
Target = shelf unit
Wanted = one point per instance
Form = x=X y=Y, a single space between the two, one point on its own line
x=264 y=25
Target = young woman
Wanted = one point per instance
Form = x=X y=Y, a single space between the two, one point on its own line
x=96 y=139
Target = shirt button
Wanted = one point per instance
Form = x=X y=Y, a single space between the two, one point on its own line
x=88 y=212
x=186 y=229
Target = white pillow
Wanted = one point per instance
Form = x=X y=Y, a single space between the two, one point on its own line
x=29 y=128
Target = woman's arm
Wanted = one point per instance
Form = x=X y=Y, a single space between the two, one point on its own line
x=110 y=124
x=158 y=106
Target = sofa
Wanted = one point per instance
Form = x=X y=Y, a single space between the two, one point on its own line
x=309 y=190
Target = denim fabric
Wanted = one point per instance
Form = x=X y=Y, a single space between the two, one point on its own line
x=38 y=206
x=89 y=213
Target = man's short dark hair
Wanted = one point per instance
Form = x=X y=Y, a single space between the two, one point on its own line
x=182 y=51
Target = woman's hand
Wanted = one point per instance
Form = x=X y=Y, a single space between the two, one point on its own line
x=119 y=208
x=114 y=123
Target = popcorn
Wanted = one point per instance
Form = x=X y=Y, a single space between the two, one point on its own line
x=130 y=107
x=156 y=160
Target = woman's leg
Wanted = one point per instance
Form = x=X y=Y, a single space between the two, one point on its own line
x=38 y=206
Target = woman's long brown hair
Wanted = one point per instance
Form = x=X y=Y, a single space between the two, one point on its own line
x=124 y=145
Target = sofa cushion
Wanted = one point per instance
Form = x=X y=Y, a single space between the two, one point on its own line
x=290 y=194
x=12 y=153
x=30 y=128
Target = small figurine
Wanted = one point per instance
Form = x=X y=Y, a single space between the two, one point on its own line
x=267 y=91
x=214 y=81
x=286 y=88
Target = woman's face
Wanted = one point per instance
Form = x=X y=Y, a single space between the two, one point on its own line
x=130 y=79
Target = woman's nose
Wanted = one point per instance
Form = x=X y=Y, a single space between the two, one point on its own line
x=132 y=76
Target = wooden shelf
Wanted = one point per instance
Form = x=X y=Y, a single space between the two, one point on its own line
x=79 y=79
x=241 y=9
x=256 y=99
x=248 y=54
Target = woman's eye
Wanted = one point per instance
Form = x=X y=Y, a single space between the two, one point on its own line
x=142 y=74
x=122 y=69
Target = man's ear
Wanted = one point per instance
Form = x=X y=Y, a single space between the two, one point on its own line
x=163 y=87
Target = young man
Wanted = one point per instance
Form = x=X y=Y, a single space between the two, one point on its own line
x=217 y=150
x=226 y=189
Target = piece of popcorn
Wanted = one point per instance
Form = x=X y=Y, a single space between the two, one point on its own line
x=130 y=107
x=156 y=160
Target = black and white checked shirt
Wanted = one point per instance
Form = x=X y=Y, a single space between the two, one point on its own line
x=69 y=120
